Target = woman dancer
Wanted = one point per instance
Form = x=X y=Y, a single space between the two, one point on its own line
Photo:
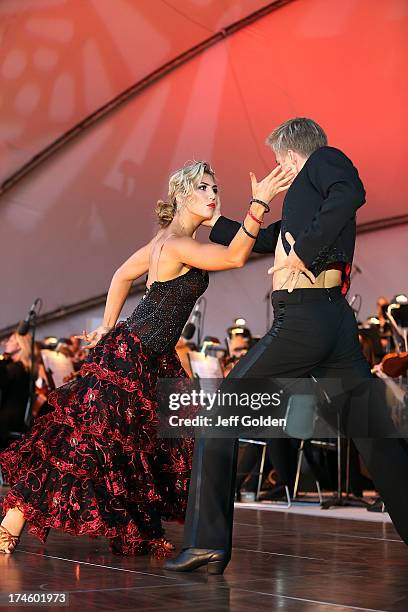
x=94 y=465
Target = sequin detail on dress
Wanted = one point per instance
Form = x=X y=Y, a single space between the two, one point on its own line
x=94 y=465
x=160 y=317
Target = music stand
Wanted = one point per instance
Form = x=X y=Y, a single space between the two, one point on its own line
x=398 y=317
x=57 y=367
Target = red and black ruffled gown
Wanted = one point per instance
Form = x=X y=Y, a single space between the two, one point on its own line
x=94 y=465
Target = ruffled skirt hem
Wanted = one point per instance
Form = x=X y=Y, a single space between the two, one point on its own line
x=94 y=465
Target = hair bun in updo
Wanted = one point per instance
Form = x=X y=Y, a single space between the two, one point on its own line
x=165 y=212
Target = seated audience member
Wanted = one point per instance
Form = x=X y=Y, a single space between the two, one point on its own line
x=238 y=346
x=367 y=346
x=79 y=353
x=14 y=385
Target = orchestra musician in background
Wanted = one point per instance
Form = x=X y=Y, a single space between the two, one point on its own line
x=15 y=365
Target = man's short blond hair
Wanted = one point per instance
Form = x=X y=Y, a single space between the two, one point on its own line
x=301 y=135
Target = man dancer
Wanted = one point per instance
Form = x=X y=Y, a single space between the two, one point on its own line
x=314 y=333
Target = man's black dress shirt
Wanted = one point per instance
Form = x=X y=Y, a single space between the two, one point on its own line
x=319 y=210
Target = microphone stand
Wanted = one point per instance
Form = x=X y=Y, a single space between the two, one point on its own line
x=31 y=382
x=32 y=324
x=198 y=316
x=200 y=319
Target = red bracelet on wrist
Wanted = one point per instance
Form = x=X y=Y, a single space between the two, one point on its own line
x=250 y=213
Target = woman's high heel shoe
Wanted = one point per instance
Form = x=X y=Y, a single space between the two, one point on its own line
x=8 y=542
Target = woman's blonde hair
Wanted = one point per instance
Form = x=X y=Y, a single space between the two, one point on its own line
x=182 y=182
x=24 y=342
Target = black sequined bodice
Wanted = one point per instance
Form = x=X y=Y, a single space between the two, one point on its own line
x=160 y=316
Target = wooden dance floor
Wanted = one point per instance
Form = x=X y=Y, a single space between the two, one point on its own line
x=281 y=561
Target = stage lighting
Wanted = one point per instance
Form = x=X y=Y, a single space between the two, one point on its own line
x=50 y=342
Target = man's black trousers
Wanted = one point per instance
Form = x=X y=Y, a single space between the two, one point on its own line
x=314 y=333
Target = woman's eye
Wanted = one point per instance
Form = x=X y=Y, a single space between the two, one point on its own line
x=204 y=187
x=215 y=190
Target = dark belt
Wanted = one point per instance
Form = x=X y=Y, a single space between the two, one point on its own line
x=298 y=296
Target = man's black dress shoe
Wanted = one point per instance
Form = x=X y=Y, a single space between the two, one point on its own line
x=191 y=558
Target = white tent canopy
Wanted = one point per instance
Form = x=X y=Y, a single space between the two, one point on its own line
x=68 y=222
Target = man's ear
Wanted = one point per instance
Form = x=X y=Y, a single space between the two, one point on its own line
x=299 y=161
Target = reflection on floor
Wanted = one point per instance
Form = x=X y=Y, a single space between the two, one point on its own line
x=282 y=560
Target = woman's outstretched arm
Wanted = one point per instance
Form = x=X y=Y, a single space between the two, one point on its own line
x=214 y=256
x=218 y=257
x=130 y=270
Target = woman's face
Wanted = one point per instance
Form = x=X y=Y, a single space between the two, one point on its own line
x=204 y=199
